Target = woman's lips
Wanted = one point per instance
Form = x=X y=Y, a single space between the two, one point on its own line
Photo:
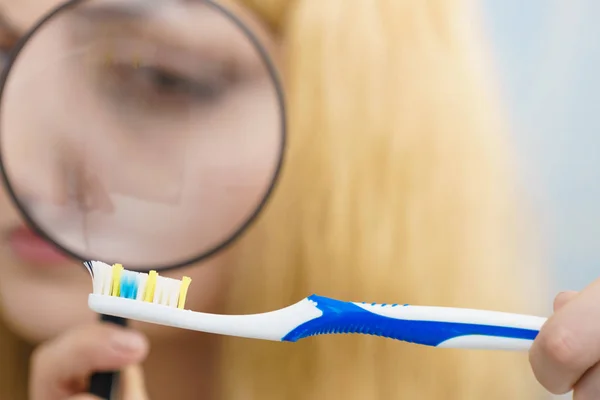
x=32 y=249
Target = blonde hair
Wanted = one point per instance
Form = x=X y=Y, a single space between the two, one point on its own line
x=397 y=187
x=14 y=363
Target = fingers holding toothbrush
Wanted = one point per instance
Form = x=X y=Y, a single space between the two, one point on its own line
x=566 y=354
x=61 y=368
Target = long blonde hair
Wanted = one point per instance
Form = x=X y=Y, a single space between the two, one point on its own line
x=398 y=187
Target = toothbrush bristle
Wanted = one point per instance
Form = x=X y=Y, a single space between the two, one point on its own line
x=116 y=281
x=88 y=266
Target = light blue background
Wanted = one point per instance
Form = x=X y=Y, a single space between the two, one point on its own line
x=548 y=55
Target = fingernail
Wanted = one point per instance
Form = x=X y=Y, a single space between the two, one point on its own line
x=129 y=341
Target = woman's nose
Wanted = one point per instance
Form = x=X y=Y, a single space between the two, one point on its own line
x=46 y=165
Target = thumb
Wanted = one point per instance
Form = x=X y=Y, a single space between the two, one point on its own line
x=563 y=298
x=133 y=384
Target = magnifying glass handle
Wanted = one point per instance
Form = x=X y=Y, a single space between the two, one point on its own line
x=105 y=384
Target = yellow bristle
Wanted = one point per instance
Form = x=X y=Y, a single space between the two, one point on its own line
x=150 y=286
x=116 y=280
x=185 y=284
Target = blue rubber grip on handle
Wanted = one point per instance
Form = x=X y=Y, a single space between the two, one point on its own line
x=345 y=317
x=103 y=384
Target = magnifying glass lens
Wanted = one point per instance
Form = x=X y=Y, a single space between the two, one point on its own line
x=148 y=133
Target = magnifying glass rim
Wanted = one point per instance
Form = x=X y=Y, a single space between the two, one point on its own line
x=266 y=59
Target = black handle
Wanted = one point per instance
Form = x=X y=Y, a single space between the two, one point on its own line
x=103 y=384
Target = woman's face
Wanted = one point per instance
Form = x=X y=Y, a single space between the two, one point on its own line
x=129 y=133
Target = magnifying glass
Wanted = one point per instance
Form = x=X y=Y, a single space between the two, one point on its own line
x=145 y=132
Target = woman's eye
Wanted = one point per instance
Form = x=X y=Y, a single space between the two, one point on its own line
x=160 y=87
x=169 y=83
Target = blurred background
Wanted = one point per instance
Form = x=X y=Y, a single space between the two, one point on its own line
x=548 y=58
x=547 y=55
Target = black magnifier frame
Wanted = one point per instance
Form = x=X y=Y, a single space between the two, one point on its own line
x=279 y=92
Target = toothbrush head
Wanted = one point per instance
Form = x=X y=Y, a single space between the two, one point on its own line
x=115 y=281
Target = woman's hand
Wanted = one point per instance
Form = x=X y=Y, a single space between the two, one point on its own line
x=566 y=354
x=61 y=368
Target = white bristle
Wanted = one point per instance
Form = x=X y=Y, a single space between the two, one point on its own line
x=102 y=277
x=107 y=281
x=97 y=282
x=174 y=295
x=141 y=279
x=158 y=289
x=166 y=292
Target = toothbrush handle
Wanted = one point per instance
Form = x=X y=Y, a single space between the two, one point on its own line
x=104 y=384
x=429 y=326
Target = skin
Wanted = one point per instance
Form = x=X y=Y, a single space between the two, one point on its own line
x=566 y=354
x=71 y=344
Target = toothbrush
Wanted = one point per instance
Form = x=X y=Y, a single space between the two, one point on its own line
x=160 y=300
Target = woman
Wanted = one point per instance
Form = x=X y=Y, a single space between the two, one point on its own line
x=397 y=188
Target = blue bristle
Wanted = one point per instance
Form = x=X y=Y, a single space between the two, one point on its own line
x=124 y=292
x=134 y=286
x=134 y=290
x=129 y=285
